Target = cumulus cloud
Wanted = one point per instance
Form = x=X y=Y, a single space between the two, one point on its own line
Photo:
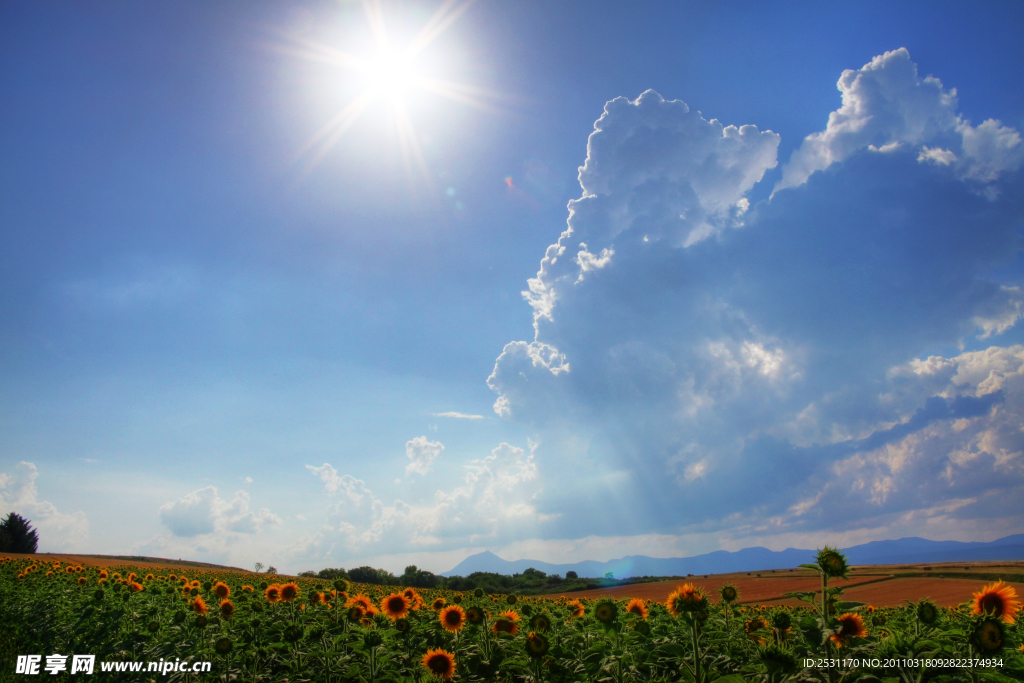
x=58 y=531
x=421 y=454
x=205 y=512
x=688 y=344
x=494 y=501
x=886 y=104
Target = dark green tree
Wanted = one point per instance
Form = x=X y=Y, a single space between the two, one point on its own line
x=17 y=535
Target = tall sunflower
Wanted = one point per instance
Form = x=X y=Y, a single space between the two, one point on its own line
x=728 y=593
x=576 y=609
x=222 y=590
x=998 y=600
x=686 y=598
x=273 y=593
x=227 y=608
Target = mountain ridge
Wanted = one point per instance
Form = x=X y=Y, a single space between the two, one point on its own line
x=913 y=549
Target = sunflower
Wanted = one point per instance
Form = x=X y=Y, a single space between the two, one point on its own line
x=479 y=592
x=540 y=623
x=360 y=600
x=356 y=612
x=135 y=586
x=474 y=615
x=636 y=606
x=686 y=599
x=69 y=570
x=289 y=591
x=832 y=563
x=273 y=593
x=850 y=626
x=438 y=604
x=395 y=606
x=537 y=645
x=452 y=618
x=149 y=577
x=222 y=590
x=227 y=608
x=199 y=606
x=439 y=663
x=506 y=622
x=752 y=626
x=81 y=579
x=989 y=635
x=576 y=609
x=317 y=598
x=103 y=574
x=728 y=593
x=927 y=612
x=402 y=625
x=777 y=660
x=223 y=646
x=247 y=589
x=998 y=600
x=606 y=611
x=511 y=599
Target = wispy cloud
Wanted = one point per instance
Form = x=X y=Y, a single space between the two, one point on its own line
x=459 y=416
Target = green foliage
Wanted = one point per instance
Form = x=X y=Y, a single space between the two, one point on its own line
x=46 y=611
x=17 y=535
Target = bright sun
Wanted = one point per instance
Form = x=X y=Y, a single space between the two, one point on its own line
x=390 y=72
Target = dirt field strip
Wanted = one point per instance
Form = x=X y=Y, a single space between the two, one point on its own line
x=751 y=590
x=944 y=592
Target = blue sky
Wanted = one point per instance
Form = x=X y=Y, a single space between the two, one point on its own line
x=774 y=312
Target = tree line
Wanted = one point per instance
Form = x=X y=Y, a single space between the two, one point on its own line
x=530 y=582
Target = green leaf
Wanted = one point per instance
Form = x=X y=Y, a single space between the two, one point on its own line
x=731 y=678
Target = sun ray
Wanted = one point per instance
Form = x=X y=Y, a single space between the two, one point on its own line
x=437 y=24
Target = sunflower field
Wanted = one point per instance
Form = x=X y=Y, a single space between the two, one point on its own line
x=311 y=630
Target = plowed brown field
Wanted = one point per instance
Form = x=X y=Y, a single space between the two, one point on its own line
x=944 y=592
x=750 y=589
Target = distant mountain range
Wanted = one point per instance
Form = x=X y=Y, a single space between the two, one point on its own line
x=903 y=551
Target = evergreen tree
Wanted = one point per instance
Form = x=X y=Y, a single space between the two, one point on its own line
x=17 y=535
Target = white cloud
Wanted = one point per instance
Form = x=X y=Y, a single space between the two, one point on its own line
x=421 y=454
x=58 y=531
x=495 y=501
x=205 y=512
x=775 y=359
x=459 y=416
x=886 y=104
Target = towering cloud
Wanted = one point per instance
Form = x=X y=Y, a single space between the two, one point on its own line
x=699 y=363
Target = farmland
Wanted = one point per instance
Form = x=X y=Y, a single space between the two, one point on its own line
x=255 y=627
